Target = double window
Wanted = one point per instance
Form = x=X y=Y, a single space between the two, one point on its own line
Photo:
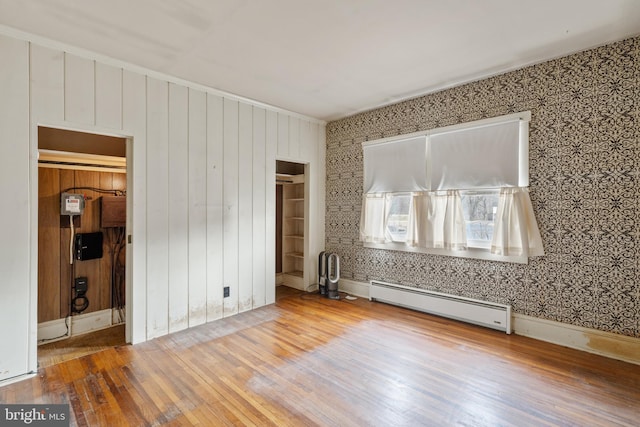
x=460 y=190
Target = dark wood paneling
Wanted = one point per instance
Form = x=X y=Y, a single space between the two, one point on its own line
x=49 y=244
x=90 y=223
x=67 y=180
x=104 y=284
x=308 y=361
x=55 y=273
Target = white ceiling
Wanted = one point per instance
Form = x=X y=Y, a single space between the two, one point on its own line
x=328 y=58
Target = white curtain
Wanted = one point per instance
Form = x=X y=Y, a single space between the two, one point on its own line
x=436 y=220
x=395 y=166
x=515 y=231
x=490 y=156
x=373 y=218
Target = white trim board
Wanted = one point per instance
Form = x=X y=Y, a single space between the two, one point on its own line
x=608 y=344
x=56 y=330
x=352 y=287
x=594 y=341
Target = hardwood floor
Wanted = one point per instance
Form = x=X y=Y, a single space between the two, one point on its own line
x=82 y=345
x=311 y=361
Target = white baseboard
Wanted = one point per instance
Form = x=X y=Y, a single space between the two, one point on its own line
x=606 y=344
x=352 y=287
x=614 y=346
x=80 y=324
x=17 y=379
x=53 y=330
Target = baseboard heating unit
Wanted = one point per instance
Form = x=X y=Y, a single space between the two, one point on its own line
x=483 y=313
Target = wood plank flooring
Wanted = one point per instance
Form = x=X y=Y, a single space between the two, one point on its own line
x=82 y=345
x=307 y=361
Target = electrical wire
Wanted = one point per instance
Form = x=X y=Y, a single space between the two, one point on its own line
x=71 y=239
x=116 y=237
x=98 y=190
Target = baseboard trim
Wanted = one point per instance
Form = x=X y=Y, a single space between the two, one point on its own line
x=56 y=330
x=608 y=344
x=352 y=287
x=21 y=377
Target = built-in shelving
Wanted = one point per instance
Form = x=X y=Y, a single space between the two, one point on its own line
x=293 y=231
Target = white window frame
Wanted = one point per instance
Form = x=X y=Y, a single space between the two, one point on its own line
x=470 y=252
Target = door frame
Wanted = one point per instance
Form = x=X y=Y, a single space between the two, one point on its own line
x=33 y=227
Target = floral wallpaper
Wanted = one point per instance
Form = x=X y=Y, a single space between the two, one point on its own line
x=584 y=148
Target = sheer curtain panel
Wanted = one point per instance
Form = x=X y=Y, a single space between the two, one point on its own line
x=436 y=220
x=516 y=230
x=373 y=219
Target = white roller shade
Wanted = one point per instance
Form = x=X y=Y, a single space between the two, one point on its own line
x=490 y=156
x=396 y=166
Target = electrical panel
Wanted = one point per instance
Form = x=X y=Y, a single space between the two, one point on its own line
x=71 y=204
x=88 y=246
x=114 y=211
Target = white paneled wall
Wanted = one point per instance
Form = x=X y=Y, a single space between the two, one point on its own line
x=197 y=205
x=201 y=192
x=178 y=207
x=16 y=302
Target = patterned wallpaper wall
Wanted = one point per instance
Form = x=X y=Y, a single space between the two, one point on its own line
x=584 y=182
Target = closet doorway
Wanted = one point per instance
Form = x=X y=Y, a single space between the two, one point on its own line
x=291 y=225
x=82 y=184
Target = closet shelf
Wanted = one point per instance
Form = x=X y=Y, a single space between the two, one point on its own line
x=295 y=254
x=296 y=273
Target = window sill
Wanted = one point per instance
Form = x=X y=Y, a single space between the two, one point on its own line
x=475 y=253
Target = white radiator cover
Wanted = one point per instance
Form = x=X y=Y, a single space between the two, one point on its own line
x=483 y=313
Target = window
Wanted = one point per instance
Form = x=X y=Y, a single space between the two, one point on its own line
x=398 y=218
x=459 y=190
x=479 y=209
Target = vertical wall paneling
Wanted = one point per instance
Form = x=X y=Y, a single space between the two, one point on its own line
x=45 y=94
x=17 y=305
x=105 y=181
x=67 y=179
x=259 y=205
x=271 y=148
x=215 y=206
x=197 y=207
x=178 y=207
x=317 y=197
x=230 y=201
x=49 y=234
x=47 y=85
x=213 y=186
x=294 y=138
x=108 y=96
x=306 y=144
x=245 y=206
x=90 y=223
x=134 y=121
x=79 y=90
x=283 y=135
x=157 y=208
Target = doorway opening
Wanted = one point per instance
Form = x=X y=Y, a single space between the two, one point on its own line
x=82 y=186
x=291 y=225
